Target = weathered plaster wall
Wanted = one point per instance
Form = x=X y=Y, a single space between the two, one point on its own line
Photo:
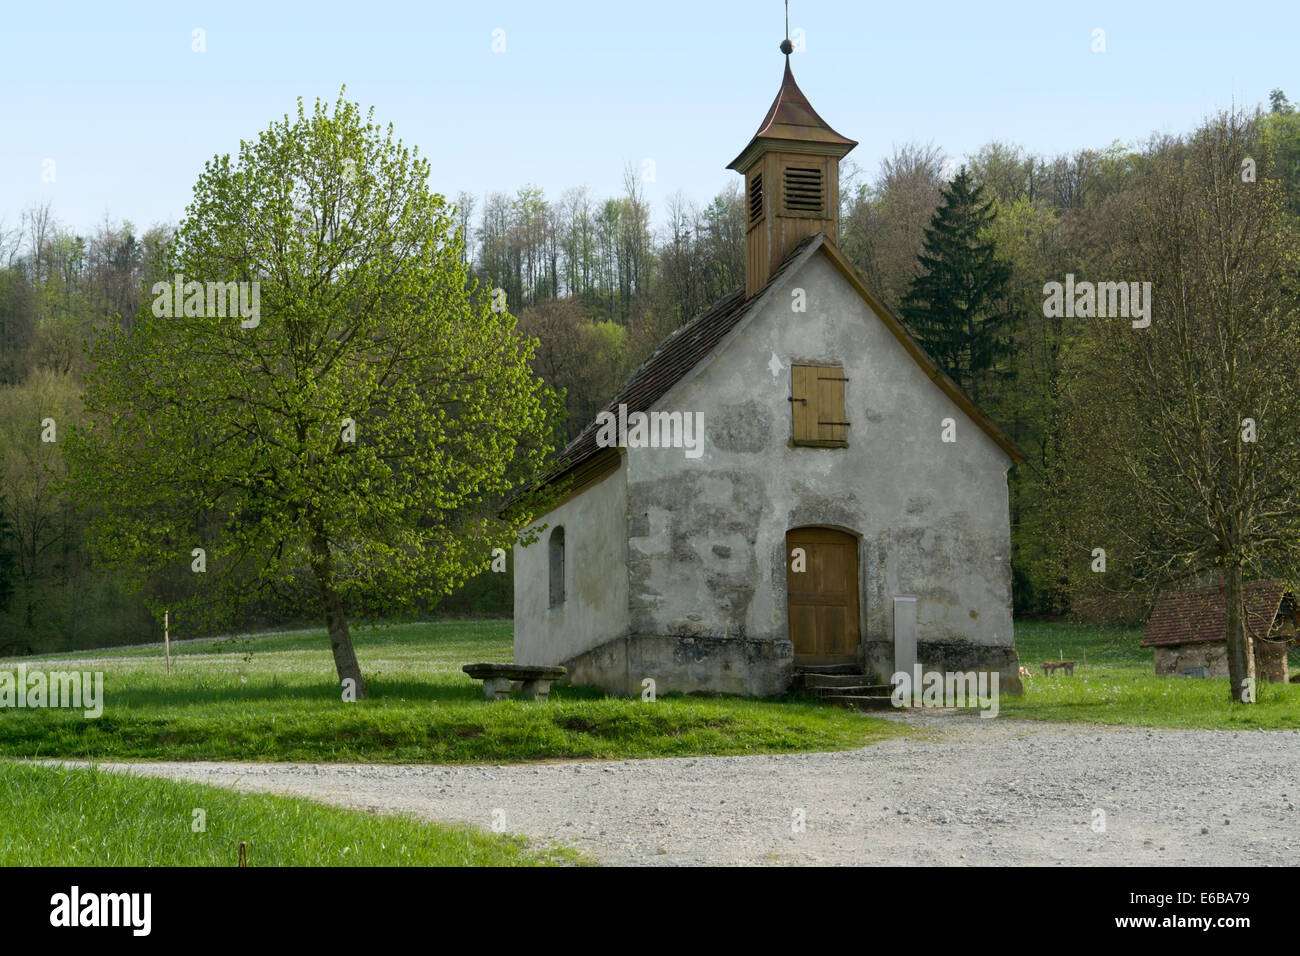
x=706 y=537
x=595 y=608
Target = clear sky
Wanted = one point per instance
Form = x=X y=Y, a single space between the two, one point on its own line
x=115 y=95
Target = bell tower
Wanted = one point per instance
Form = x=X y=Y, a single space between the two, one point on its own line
x=791 y=169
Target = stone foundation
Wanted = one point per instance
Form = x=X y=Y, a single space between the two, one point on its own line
x=749 y=668
x=1211 y=660
x=686 y=665
x=949 y=656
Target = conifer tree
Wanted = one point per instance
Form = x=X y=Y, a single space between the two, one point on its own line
x=957 y=306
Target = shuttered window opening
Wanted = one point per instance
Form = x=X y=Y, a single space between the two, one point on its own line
x=804 y=190
x=817 y=405
x=756 y=198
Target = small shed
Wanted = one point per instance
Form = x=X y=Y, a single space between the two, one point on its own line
x=1187 y=630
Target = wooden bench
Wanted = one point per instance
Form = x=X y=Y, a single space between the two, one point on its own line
x=1052 y=666
x=534 y=682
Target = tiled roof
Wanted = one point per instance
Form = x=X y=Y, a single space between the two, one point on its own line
x=1197 y=615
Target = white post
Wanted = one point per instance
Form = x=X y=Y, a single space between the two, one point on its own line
x=904 y=634
x=167 y=641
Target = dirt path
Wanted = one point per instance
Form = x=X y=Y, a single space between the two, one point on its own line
x=972 y=791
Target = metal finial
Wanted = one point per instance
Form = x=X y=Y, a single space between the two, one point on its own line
x=786 y=46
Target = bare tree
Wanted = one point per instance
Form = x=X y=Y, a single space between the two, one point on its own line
x=464 y=216
x=1181 y=443
x=885 y=227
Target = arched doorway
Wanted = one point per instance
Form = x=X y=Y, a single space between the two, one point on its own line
x=822 y=593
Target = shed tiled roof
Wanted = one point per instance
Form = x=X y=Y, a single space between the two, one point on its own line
x=1197 y=615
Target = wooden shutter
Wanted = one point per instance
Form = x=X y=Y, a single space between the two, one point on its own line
x=817 y=403
x=831 y=423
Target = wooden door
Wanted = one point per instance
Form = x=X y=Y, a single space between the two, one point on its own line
x=823 y=597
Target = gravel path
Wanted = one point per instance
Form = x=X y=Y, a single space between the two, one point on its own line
x=966 y=791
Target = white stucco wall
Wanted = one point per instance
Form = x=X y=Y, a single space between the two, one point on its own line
x=595 y=608
x=707 y=536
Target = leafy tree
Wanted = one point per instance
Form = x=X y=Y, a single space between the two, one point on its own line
x=1025 y=234
x=957 y=306
x=582 y=360
x=35 y=417
x=1003 y=172
x=350 y=443
x=1280 y=133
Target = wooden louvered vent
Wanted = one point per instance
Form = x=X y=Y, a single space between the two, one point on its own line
x=756 y=198
x=804 y=191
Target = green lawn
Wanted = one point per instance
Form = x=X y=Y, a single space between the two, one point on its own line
x=1118 y=685
x=276 y=698
x=57 y=816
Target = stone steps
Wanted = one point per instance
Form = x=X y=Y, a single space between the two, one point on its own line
x=856 y=689
x=829 y=680
x=827 y=669
x=860 y=701
x=842 y=685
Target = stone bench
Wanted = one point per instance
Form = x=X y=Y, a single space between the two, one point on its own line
x=1053 y=666
x=535 y=682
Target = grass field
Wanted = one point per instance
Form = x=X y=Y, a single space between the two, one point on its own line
x=276 y=698
x=57 y=816
x=1115 y=683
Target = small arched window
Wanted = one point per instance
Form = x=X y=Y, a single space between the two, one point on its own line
x=557 y=567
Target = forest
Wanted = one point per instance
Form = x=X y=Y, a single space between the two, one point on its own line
x=962 y=251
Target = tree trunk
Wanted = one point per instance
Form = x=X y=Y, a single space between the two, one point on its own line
x=1241 y=656
x=336 y=622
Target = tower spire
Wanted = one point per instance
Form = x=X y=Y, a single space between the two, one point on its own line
x=791 y=170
